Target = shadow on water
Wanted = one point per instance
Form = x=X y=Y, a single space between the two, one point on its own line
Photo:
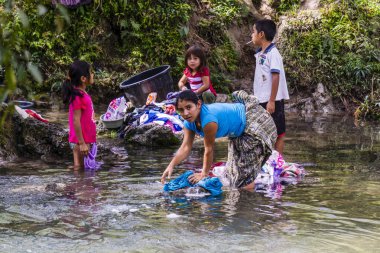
x=121 y=208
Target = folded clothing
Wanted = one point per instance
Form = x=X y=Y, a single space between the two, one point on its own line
x=211 y=184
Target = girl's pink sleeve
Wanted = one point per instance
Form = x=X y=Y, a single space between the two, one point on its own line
x=77 y=103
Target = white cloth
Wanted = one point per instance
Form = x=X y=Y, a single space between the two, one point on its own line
x=268 y=62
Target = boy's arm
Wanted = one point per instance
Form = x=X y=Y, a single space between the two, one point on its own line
x=182 y=83
x=275 y=82
x=205 y=86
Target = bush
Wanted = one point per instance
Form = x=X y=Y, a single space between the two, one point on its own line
x=339 y=49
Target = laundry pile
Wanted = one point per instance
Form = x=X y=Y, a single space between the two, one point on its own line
x=159 y=113
x=274 y=175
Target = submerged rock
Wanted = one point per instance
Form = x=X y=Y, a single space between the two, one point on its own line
x=152 y=135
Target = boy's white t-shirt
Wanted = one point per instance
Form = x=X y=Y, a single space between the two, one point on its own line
x=268 y=62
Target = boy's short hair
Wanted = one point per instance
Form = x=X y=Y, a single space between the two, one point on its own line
x=268 y=27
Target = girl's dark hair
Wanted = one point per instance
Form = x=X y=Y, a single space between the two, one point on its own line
x=198 y=52
x=268 y=27
x=187 y=95
x=73 y=80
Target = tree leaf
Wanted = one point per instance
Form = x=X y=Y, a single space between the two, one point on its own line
x=23 y=18
x=10 y=78
x=41 y=9
x=35 y=72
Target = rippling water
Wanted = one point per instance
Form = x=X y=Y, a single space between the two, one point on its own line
x=121 y=208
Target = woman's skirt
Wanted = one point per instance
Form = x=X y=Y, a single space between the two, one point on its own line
x=248 y=152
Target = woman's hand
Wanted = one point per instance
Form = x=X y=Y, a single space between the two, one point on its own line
x=167 y=173
x=83 y=149
x=196 y=177
x=183 y=88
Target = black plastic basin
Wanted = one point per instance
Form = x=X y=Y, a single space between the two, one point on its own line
x=137 y=88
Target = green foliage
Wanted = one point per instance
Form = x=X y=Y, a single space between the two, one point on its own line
x=133 y=34
x=368 y=109
x=126 y=36
x=226 y=11
x=340 y=49
x=224 y=60
x=282 y=6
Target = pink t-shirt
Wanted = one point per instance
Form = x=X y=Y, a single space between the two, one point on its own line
x=195 y=80
x=87 y=119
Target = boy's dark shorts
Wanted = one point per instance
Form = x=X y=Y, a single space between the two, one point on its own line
x=278 y=116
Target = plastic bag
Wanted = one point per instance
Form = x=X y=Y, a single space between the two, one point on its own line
x=116 y=109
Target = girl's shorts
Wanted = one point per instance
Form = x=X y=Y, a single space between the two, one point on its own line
x=72 y=145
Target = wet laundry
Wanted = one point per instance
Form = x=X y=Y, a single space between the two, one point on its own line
x=211 y=184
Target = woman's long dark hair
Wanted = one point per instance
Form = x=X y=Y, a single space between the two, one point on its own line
x=73 y=80
x=188 y=95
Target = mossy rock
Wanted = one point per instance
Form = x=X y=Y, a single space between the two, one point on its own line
x=152 y=135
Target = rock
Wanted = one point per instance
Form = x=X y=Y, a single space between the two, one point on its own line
x=310 y=4
x=35 y=138
x=308 y=106
x=31 y=138
x=152 y=135
x=320 y=102
x=222 y=98
x=55 y=187
x=323 y=100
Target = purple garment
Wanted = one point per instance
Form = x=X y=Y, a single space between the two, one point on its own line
x=90 y=162
x=71 y=3
x=172 y=95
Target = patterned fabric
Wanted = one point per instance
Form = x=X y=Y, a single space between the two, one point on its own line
x=248 y=153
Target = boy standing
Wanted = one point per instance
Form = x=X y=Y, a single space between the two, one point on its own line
x=270 y=85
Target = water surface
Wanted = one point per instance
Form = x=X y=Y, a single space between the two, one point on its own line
x=121 y=208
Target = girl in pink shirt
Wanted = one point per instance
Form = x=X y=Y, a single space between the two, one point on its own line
x=82 y=127
x=197 y=75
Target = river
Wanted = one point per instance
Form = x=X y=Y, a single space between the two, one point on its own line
x=120 y=208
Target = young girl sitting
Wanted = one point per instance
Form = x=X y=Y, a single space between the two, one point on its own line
x=82 y=128
x=197 y=75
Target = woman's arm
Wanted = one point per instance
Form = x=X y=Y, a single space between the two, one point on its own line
x=182 y=153
x=209 y=140
x=205 y=86
x=182 y=83
x=83 y=148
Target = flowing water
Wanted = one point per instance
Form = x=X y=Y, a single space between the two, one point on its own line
x=336 y=208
